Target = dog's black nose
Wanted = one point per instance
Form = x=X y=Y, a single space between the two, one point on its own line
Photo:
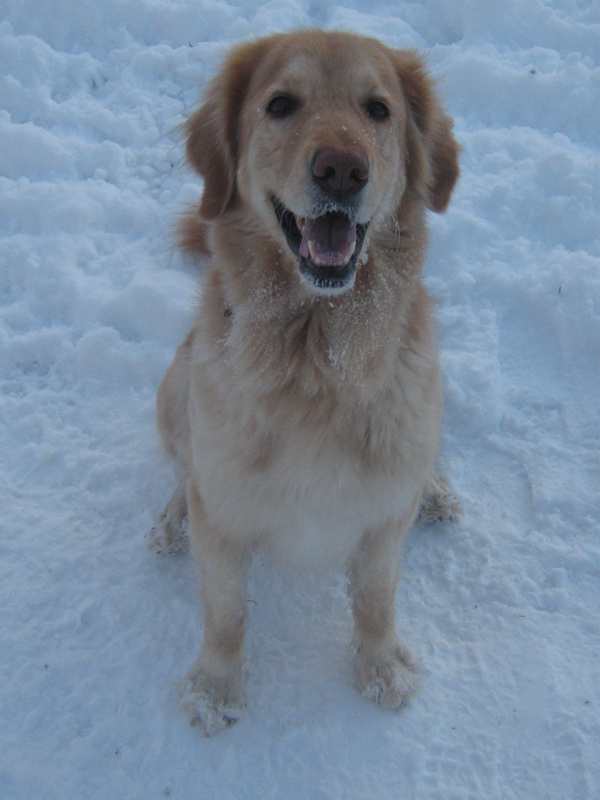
x=340 y=172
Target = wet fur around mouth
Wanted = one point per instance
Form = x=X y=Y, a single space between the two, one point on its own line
x=323 y=277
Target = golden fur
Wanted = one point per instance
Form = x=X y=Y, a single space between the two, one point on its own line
x=304 y=408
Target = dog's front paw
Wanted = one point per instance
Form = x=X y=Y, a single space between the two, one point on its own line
x=212 y=713
x=388 y=676
x=212 y=704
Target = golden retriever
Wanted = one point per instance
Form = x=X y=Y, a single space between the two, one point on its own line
x=304 y=406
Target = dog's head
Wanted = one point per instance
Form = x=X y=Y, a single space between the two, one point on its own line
x=320 y=136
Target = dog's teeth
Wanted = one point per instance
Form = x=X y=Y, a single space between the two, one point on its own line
x=321 y=262
x=314 y=257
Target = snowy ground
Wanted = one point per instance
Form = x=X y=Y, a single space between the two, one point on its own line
x=502 y=608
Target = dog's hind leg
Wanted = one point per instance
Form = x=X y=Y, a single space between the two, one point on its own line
x=169 y=535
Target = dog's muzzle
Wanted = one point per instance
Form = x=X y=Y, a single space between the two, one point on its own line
x=327 y=246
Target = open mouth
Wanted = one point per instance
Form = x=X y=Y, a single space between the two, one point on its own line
x=327 y=246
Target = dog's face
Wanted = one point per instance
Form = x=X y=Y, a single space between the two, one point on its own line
x=318 y=135
x=321 y=135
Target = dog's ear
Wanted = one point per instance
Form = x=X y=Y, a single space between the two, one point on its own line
x=432 y=150
x=212 y=131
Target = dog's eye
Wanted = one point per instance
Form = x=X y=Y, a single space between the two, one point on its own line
x=377 y=110
x=282 y=105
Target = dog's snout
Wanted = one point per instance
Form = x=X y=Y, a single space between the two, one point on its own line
x=340 y=172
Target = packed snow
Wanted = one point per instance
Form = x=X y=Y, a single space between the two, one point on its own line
x=502 y=608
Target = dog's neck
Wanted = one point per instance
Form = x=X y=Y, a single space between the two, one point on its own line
x=278 y=331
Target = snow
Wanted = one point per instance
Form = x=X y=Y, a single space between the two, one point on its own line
x=501 y=607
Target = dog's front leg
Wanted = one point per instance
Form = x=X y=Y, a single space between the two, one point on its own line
x=214 y=692
x=384 y=669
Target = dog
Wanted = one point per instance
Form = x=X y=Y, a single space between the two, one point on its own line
x=304 y=406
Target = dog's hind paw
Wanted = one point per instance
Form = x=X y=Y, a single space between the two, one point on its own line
x=438 y=503
x=168 y=536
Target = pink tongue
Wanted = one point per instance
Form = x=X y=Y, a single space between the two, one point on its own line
x=332 y=239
